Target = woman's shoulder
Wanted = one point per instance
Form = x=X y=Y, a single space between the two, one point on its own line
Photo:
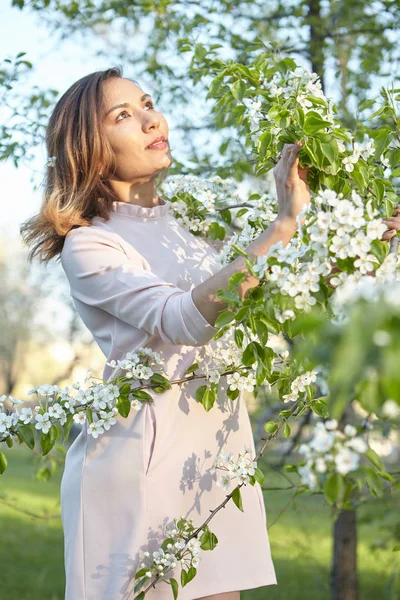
x=97 y=231
x=96 y=236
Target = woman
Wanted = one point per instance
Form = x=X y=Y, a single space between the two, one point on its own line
x=137 y=278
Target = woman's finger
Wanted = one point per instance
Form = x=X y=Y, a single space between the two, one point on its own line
x=392 y=222
x=293 y=161
x=388 y=235
x=396 y=210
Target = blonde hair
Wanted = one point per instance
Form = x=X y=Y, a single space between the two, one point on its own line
x=74 y=190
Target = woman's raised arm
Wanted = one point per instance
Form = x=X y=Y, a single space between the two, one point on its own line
x=293 y=193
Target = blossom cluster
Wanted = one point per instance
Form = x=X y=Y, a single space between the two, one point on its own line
x=257 y=218
x=335 y=229
x=330 y=450
x=173 y=551
x=300 y=385
x=354 y=287
x=236 y=381
x=214 y=194
x=239 y=468
x=222 y=356
x=365 y=150
x=56 y=404
x=137 y=364
x=210 y=193
x=300 y=92
x=300 y=86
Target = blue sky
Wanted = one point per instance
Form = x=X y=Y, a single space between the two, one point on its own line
x=56 y=65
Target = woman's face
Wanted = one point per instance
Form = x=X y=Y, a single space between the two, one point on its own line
x=130 y=129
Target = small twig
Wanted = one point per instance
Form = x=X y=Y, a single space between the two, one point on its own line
x=243 y=204
x=229 y=496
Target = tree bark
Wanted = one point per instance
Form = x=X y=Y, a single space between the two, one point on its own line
x=317 y=39
x=344 y=578
x=344 y=584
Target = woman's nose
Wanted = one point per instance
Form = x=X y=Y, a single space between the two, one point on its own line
x=150 y=119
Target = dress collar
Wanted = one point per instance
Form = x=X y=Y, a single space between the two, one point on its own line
x=140 y=212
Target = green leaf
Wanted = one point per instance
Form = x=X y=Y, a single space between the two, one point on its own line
x=286 y=430
x=249 y=355
x=183 y=577
x=226 y=216
x=329 y=152
x=48 y=440
x=396 y=549
x=334 y=488
x=27 y=435
x=9 y=441
x=192 y=368
x=265 y=143
x=366 y=104
x=213 y=540
x=357 y=176
x=174 y=585
x=3 y=463
x=163 y=381
x=237 y=498
x=200 y=393
x=241 y=212
x=208 y=399
x=242 y=314
x=224 y=318
x=235 y=280
x=238 y=336
x=67 y=426
x=386 y=476
x=259 y=475
x=313 y=122
x=216 y=231
x=191 y=574
x=239 y=250
x=379 y=190
x=374 y=459
x=373 y=482
x=123 y=406
x=141 y=395
x=208 y=540
x=239 y=89
x=232 y=394
x=320 y=408
x=204 y=538
x=141 y=572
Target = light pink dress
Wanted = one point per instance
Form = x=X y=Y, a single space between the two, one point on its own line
x=131 y=279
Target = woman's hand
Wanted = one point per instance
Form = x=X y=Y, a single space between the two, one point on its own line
x=393 y=224
x=291 y=183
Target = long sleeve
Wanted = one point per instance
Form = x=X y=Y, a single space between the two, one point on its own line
x=101 y=274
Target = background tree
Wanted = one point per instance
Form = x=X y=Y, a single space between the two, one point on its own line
x=352 y=42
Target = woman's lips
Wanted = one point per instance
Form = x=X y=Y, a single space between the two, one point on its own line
x=158 y=146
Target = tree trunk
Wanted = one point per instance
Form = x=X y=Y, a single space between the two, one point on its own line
x=344 y=579
x=344 y=585
x=317 y=39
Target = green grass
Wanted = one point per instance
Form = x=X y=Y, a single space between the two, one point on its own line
x=31 y=549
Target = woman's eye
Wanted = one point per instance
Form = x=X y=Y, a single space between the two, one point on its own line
x=124 y=112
